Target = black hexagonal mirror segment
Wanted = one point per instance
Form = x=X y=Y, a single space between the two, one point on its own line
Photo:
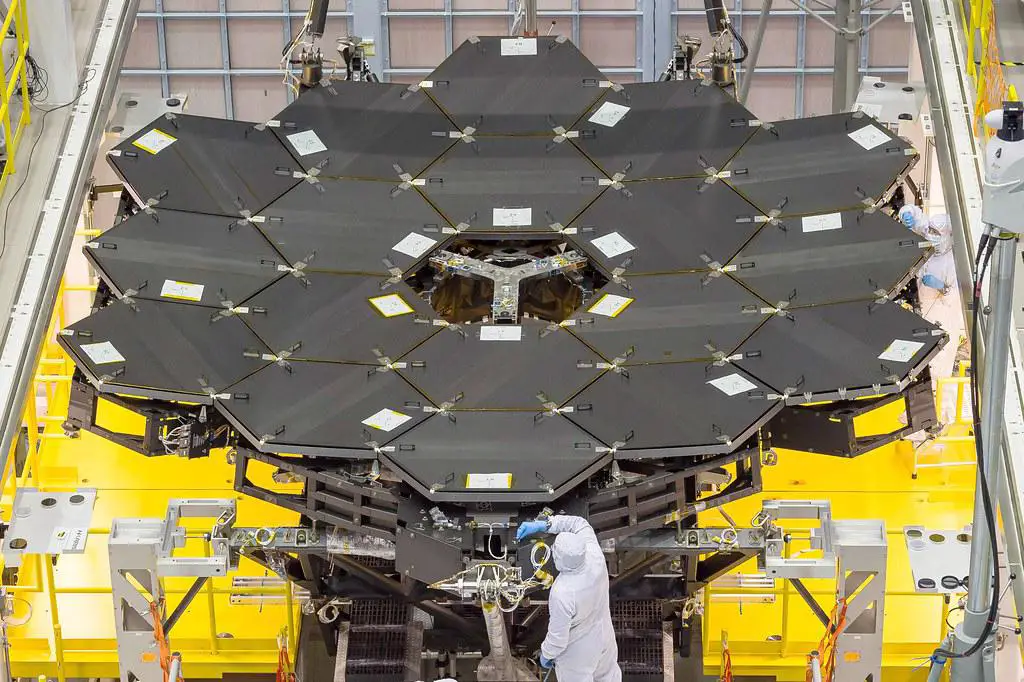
x=351 y=226
x=374 y=131
x=503 y=367
x=190 y=257
x=818 y=165
x=340 y=318
x=510 y=86
x=503 y=184
x=664 y=130
x=171 y=351
x=513 y=266
x=204 y=165
x=668 y=318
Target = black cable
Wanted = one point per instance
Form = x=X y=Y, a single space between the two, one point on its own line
x=984 y=254
x=955 y=608
x=83 y=86
x=743 y=45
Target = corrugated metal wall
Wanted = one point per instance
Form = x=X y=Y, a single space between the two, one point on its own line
x=224 y=53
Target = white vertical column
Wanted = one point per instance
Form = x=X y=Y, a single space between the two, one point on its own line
x=52 y=45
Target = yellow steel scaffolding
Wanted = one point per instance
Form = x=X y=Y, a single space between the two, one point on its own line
x=16 y=20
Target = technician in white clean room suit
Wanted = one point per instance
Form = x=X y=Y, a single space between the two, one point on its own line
x=580 y=643
x=939 y=272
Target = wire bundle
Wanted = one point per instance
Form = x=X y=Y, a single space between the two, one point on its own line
x=163 y=647
x=506 y=588
x=725 y=675
x=285 y=672
x=827 y=646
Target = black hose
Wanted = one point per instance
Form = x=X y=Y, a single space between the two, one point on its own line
x=984 y=254
x=743 y=45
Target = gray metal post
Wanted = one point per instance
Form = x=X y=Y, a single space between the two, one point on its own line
x=853 y=27
x=755 y=50
x=937 y=666
x=839 y=94
x=847 y=59
x=366 y=23
x=175 y=668
x=993 y=393
x=5 y=646
x=530 y=20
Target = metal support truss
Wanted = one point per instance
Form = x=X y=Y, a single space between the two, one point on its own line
x=141 y=554
x=673 y=496
x=861 y=549
x=506 y=280
x=329 y=497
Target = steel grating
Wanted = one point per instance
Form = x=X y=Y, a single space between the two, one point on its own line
x=669 y=270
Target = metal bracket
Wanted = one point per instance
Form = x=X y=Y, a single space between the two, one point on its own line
x=48 y=523
x=141 y=554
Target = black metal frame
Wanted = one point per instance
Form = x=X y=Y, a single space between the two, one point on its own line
x=207 y=428
x=829 y=429
x=626 y=510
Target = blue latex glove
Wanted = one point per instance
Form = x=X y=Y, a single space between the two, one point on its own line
x=528 y=528
x=546 y=663
x=933 y=282
x=907 y=217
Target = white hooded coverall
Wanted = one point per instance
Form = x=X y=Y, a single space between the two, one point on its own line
x=580 y=637
x=937 y=229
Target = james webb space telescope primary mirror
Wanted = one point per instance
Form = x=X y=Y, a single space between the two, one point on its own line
x=501 y=284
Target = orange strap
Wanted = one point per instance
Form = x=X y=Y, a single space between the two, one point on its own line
x=161 y=639
x=726 y=675
x=827 y=644
x=284 y=664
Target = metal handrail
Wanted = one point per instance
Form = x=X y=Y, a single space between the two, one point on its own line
x=17 y=16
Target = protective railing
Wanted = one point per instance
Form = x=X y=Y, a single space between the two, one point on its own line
x=953 y=445
x=13 y=76
x=984 y=63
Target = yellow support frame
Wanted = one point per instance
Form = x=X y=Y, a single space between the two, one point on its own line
x=201 y=635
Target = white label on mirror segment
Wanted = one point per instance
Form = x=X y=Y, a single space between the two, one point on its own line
x=490 y=481
x=518 y=47
x=307 y=142
x=901 y=351
x=102 y=353
x=391 y=305
x=386 y=420
x=610 y=305
x=612 y=244
x=820 y=223
x=512 y=217
x=608 y=114
x=182 y=291
x=414 y=244
x=732 y=384
x=869 y=137
x=154 y=141
x=501 y=332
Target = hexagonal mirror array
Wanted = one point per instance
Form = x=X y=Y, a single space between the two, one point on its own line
x=514 y=266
